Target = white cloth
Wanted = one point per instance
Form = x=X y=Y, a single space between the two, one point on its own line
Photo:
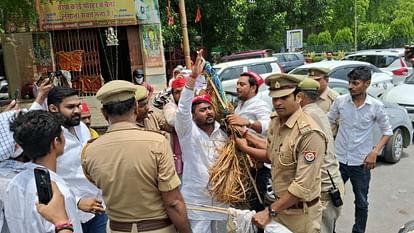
x=20 y=204
x=354 y=138
x=69 y=165
x=170 y=111
x=257 y=110
x=199 y=153
x=8 y=170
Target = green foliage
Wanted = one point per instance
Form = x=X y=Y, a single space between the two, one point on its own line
x=344 y=36
x=324 y=38
x=18 y=12
x=373 y=34
x=402 y=28
x=312 y=39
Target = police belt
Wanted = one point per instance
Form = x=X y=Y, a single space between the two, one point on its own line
x=300 y=205
x=144 y=225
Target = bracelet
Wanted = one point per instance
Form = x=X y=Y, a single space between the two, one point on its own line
x=64 y=228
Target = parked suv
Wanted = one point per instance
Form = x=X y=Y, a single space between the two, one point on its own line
x=289 y=61
x=389 y=60
x=231 y=70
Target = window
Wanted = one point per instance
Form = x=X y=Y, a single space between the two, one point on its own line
x=259 y=68
x=341 y=73
x=280 y=58
x=231 y=73
x=291 y=57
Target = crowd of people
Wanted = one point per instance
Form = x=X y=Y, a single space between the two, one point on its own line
x=149 y=172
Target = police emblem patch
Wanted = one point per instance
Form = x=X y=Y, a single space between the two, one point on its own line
x=309 y=156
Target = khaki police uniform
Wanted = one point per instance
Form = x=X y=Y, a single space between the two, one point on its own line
x=296 y=150
x=132 y=167
x=330 y=213
x=328 y=96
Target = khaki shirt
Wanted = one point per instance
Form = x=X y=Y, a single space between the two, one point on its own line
x=132 y=167
x=156 y=122
x=287 y=146
x=330 y=163
x=326 y=99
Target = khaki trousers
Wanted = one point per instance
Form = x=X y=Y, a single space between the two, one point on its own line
x=305 y=220
x=168 y=229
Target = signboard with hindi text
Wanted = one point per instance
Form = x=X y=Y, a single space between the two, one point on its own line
x=70 y=14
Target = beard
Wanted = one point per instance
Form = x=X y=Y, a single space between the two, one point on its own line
x=72 y=121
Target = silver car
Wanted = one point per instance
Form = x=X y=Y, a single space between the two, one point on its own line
x=400 y=122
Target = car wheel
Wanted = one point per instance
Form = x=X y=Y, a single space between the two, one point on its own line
x=407 y=228
x=394 y=148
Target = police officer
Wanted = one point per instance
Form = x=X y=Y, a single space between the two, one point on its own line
x=134 y=168
x=326 y=94
x=295 y=147
x=331 y=204
x=148 y=119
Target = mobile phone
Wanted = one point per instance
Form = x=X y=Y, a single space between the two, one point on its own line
x=16 y=94
x=43 y=185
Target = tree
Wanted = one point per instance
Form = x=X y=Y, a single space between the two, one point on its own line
x=402 y=27
x=17 y=13
x=373 y=35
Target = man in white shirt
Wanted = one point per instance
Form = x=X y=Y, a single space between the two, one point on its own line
x=254 y=113
x=11 y=161
x=357 y=112
x=201 y=138
x=41 y=137
x=89 y=198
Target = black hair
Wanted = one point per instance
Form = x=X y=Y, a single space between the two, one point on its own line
x=329 y=52
x=362 y=73
x=194 y=105
x=311 y=94
x=35 y=131
x=57 y=94
x=119 y=108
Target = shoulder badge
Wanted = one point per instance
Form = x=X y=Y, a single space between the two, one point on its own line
x=332 y=95
x=309 y=156
x=304 y=127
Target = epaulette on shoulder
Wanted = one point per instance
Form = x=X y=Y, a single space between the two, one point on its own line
x=332 y=94
x=304 y=125
x=91 y=140
x=273 y=115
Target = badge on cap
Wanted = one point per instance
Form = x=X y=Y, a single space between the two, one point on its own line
x=277 y=85
x=309 y=156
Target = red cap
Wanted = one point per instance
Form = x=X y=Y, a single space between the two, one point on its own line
x=178 y=83
x=205 y=97
x=84 y=107
x=259 y=80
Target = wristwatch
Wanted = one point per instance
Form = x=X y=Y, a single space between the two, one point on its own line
x=272 y=213
x=251 y=122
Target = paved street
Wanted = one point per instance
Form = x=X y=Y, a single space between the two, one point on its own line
x=391 y=197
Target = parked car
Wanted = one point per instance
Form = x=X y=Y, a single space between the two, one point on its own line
x=247 y=55
x=391 y=60
x=380 y=81
x=398 y=116
x=403 y=95
x=289 y=61
x=232 y=70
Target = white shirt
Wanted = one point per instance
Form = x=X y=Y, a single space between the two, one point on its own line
x=170 y=110
x=20 y=204
x=199 y=153
x=257 y=110
x=69 y=165
x=8 y=170
x=354 y=139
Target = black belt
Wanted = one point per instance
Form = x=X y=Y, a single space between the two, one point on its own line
x=144 y=225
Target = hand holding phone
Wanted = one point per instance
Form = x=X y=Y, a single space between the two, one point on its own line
x=43 y=185
x=16 y=94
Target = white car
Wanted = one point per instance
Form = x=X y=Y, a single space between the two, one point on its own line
x=233 y=69
x=390 y=60
x=403 y=95
x=381 y=82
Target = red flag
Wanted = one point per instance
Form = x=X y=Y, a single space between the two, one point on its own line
x=198 y=15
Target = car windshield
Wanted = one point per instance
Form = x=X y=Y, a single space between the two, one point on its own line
x=300 y=71
x=409 y=79
x=379 y=61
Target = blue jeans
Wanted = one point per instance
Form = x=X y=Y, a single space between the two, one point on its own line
x=360 y=178
x=95 y=225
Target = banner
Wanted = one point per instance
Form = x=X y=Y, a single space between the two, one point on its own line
x=152 y=45
x=147 y=11
x=71 y=14
x=42 y=50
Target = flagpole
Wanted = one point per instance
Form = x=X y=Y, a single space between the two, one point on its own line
x=186 y=44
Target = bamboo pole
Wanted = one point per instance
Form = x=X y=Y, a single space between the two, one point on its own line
x=186 y=44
